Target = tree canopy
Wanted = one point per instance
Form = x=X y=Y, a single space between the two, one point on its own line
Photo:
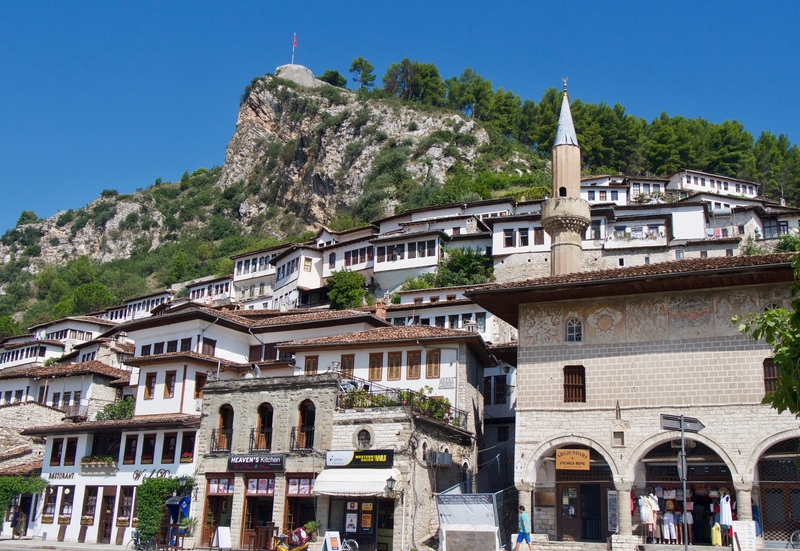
x=334 y=78
x=346 y=289
x=362 y=73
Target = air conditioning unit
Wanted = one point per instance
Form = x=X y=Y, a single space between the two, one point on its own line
x=439 y=459
x=676 y=444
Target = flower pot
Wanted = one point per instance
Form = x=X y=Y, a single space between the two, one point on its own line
x=187 y=459
x=47 y=519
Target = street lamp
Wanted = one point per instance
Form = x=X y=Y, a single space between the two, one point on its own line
x=390 y=483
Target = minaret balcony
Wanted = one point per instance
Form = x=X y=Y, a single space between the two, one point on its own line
x=565 y=214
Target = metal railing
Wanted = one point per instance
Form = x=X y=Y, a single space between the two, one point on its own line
x=302 y=439
x=221 y=440
x=261 y=439
x=355 y=393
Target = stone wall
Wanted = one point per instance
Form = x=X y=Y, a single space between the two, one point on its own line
x=16 y=417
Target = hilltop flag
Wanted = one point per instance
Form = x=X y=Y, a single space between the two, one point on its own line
x=294 y=43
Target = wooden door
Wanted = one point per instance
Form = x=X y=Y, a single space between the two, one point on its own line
x=106 y=519
x=568 y=512
x=591 y=512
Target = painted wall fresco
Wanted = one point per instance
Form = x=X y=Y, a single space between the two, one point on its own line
x=650 y=318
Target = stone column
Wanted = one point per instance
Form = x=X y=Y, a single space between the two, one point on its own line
x=623 y=487
x=743 y=486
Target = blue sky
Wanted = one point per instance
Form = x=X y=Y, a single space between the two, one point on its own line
x=111 y=95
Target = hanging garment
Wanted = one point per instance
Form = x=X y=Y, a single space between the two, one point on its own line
x=645 y=510
x=716 y=535
x=668 y=529
x=725 y=517
x=654 y=502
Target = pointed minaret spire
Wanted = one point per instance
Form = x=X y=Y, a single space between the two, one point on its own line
x=565 y=134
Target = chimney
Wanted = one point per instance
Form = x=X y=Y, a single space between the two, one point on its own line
x=380 y=309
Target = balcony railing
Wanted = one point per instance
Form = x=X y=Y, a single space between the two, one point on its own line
x=358 y=393
x=76 y=412
x=260 y=439
x=302 y=439
x=221 y=440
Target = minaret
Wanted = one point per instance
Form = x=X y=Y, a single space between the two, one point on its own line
x=566 y=216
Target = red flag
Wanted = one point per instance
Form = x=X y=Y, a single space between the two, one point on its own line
x=294 y=44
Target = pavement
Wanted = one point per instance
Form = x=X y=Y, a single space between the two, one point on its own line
x=27 y=543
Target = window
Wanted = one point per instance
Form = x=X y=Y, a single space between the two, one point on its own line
x=703 y=254
x=255 y=353
x=604 y=196
x=55 y=452
x=413 y=362
x=172 y=346
x=199 y=382
x=376 y=367
x=67 y=499
x=500 y=390
x=158 y=348
x=594 y=230
x=480 y=320
x=538 y=236
x=56 y=398
x=453 y=319
x=50 y=502
x=614 y=197
x=770 y=376
x=508 y=238
x=148 y=448
x=678 y=255
x=168 y=448
x=150 y=386
x=306 y=264
x=311 y=365
x=131 y=443
x=439 y=321
x=738 y=188
x=71 y=451
x=728 y=252
x=169 y=384
x=502 y=434
x=432 y=360
x=432 y=247
x=332 y=261
x=636 y=188
x=456 y=231
x=523 y=237
x=591 y=195
x=347 y=365
x=125 y=507
x=209 y=346
x=783 y=227
x=412 y=250
x=145 y=351
x=186 y=345
x=574 y=330
x=574 y=383
x=487 y=391
x=187 y=447
x=393 y=369
x=382 y=254
x=364 y=439
x=89 y=501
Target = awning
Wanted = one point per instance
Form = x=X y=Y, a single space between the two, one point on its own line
x=354 y=482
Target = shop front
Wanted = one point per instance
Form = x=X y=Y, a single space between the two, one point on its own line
x=586 y=501
x=362 y=505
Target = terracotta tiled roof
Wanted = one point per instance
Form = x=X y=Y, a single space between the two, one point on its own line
x=93 y=366
x=16 y=451
x=319 y=315
x=121 y=424
x=383 y=334
x=509 y=344
x=660 y=268
x=89 y=319
x=184 y=354
x=14 y=345
x=23 y=469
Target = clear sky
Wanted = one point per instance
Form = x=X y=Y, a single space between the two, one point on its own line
x=111 y=95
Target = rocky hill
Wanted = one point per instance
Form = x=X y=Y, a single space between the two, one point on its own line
x=304 y=153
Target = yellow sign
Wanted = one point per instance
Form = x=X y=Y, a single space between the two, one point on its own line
x=568 y=459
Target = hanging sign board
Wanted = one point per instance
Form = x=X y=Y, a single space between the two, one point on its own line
x=222 y=538
x=361 y=458
x=572 y=459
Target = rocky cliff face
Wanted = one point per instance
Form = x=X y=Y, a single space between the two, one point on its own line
x=336 y=138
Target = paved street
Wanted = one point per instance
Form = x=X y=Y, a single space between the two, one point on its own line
x=7 y=544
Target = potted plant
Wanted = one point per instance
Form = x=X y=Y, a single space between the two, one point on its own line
x=187 y=526
x=87 y=520
x=123 y=521
x=187 y=457
x=64 y=519
x=48 y=519
x=135 y=522
x=311 y=527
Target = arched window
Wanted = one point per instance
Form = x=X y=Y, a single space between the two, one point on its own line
x=562 y=192
x=332 y=261
x=424 y=451
x=261 y=439
x=223 y=435
x=303 y=433
x=364 y=439
x=574 y=330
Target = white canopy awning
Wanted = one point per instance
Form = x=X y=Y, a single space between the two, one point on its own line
x=354 y=482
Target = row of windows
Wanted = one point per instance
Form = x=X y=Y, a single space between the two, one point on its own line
x=521 y=237
x=146 y=305
x=124 y=510
x=169 y=447
x=212 y=290
x=774 y=228
x=358 y=256
x=89 y=356
x=172 y=346
x=259 y=264
x=645 y=189
x=21 y=353
x=170 y=377
x=71 y=334
x=604 y=195
x=720 y=185
x=450 y=321
x=392 y=253
x=61 y=401
x=394 y=365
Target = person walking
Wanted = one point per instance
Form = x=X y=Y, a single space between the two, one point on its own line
x=524 y=529
x=14 y=522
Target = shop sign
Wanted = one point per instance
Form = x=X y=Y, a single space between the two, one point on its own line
x=362 y=458
x=270 y=462
x=571 y=459
x=60 y=476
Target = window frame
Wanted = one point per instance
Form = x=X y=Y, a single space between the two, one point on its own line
x=150 y=385
x=347 y=365
x=573 y=330
x=413 y=364
x=375 y=366
x=311 y=365
x=574 y=384
x=433 y=363
x=170 y=378
x=394 y=363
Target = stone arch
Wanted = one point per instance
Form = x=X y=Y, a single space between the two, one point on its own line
x=648 y=444
x=764 y=445
x=537 y=458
